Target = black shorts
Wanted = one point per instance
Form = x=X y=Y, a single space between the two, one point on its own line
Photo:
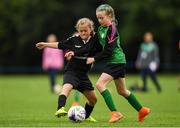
x=115 y=70
x=80 y=82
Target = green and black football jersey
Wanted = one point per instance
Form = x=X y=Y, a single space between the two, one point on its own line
x=110 y=41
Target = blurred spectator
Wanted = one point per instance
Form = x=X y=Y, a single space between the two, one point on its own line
x=148 y=61
x=53 y=61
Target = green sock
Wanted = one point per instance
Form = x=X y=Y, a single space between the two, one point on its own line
x=76 y=96
x=108 y=99
x=134 y=102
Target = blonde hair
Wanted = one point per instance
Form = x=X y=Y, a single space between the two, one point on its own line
x=108 y=10
x=83 y=21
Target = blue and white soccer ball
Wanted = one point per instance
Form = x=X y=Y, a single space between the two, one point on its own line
x=76 y=113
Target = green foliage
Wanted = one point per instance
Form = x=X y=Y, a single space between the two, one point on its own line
x=24 y=22
x=137 y=17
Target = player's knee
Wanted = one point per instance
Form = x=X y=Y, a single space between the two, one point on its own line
x=123 y=92
x=99 y=86
x=93 y=101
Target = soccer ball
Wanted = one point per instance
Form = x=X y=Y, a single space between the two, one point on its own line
x=76 y=113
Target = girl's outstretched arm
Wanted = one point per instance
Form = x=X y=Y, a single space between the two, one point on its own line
x=42 y=45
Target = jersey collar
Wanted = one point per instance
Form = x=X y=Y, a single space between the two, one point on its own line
x=85 y=41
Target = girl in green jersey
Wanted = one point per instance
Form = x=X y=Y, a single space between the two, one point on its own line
x=115 y=64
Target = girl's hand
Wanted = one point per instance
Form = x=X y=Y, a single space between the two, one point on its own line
x=90 y=60
x=69 y=55
x=41 y=45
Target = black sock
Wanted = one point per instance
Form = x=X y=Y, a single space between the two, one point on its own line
x=88 y=109
x=61 y=101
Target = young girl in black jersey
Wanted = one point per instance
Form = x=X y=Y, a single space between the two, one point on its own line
x=75 y=75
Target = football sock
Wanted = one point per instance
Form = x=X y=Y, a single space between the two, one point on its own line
x=88 y=109
x=108 y=99
x=76 y=96
x=61 y=101
x=134 y=102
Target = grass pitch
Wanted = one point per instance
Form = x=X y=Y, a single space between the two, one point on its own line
x=26 y=101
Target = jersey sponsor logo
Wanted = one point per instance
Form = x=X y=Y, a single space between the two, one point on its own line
x=77 y=46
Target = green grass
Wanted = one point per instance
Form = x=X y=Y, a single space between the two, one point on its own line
x=26 y=101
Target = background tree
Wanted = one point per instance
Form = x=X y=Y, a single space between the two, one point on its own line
x=24 y=22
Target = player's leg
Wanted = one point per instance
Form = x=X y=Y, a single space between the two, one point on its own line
x=66 y=89
x=92 y=99
x=76 y=98
x=62 y=100
x=69 y=82
x=85 y=86
x=122 y=90
x=101 y=85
